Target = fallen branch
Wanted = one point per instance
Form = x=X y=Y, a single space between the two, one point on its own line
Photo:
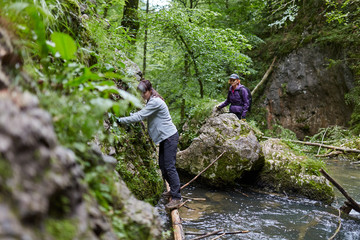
x=208 y=234
x=319 y=144
x=202 y=171
x=332 y=154
x=346 y=208
x=322 y=141
x=338 y=229
x=219 y=233
x=183 y=203
x=195 y=199
x=353 y=204
x=264 y=77
x=218 y=236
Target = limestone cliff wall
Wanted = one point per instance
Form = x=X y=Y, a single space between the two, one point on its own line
x=306 y=93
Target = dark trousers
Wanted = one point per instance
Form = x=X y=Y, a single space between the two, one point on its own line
x=167 y=159
x=239 y=115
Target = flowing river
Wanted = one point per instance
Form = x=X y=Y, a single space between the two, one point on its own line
x=272 y=216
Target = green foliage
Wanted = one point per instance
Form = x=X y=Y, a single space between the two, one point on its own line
x=309 y=166
x=190 y=58
x=244 y=16
x=197 y=111
x=280 y=132
x=61 y=229
x=283 y=11
x=211 y=47
x=81 y=94
x=61 y=52
x=135 y=165
x=343 y=12
x=64 y=45
x=331 y=134
x=102 y=184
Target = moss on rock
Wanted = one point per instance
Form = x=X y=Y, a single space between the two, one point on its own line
x=61 y=229
x=285 y=171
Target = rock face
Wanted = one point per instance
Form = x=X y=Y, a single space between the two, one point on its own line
x=223 y=133
x=306 y=94
x=41 y=191
x=284 y=171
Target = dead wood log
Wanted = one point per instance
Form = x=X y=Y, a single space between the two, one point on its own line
x=208 y=234
x=338 y=228
x=219 y=236
x=319 y=144
x=218 y=233
x=176 y=221
x=195 y=199
x=264 y=77
x=183 y=203
x=331 y=154
x=346 y=208
x=185 y=185
x=352 y=202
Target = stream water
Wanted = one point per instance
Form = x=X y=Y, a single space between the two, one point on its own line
x=272 y=216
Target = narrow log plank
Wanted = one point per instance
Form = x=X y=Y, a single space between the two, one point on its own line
x=176 y=221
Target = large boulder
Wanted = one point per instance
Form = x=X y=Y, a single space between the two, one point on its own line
x=293 y=174
x=222 y=134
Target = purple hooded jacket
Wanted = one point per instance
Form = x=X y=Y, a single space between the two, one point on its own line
x=239 y=101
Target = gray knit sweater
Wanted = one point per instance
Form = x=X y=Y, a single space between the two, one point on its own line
x=160 y=125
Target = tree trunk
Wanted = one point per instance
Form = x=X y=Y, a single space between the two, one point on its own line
x=145 y=39
x=130 y=19
x=193 y=58
x=182 y=117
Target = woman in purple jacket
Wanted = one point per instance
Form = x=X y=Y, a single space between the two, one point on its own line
x=237 y=97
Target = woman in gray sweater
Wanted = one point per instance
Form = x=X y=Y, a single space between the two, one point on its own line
x=161 y=130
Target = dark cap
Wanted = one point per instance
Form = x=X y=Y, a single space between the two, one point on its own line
x=234 y=76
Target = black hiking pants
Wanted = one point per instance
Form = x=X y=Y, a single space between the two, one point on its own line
x=239 y=115
x=167 y=159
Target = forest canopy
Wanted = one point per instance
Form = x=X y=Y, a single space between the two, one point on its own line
x=186 y=48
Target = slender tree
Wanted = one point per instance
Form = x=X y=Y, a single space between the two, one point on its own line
x=145 y=38
x=130 y=19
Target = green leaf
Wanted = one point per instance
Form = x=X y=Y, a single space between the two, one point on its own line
x=19 y=6
x=88 y=75
x=64 y=45
x=131 y=98
x=102 y=104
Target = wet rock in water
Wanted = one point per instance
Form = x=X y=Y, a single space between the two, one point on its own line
x=287 y=172
x=223 y=133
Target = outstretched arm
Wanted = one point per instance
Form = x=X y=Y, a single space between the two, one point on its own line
x=149 y=109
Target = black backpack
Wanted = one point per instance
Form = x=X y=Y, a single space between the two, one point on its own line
x=249 y=95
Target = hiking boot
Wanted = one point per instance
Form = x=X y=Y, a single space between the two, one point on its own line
x=166 y=194
x=174 y=203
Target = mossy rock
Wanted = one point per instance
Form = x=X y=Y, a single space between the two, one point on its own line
x=227 y=135
x=287 y=172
